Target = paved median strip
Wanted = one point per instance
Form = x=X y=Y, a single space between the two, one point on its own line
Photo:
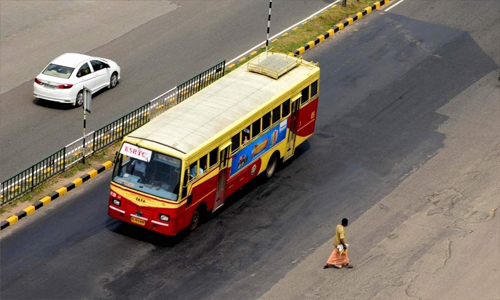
x=309 y=45
x=54 y=195
x=338 y=27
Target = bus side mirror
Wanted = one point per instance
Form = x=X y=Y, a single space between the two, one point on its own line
x=116 y=156
x=189 y=200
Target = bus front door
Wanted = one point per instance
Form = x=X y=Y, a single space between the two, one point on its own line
x=294 y=116
x=220 y=194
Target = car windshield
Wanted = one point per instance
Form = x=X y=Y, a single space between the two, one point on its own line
x=58 y=71
x=159 y=176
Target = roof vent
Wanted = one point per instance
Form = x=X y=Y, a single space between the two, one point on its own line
x=273 y=65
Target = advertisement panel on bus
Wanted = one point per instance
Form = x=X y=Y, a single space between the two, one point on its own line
x=256 y=148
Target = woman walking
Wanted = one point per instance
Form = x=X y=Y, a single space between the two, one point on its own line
x=339 y=256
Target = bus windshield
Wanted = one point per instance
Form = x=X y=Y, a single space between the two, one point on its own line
x=160 y=176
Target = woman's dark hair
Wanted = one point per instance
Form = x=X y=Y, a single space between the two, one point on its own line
x=344 y=222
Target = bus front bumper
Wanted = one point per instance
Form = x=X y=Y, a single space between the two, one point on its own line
x=166 y=228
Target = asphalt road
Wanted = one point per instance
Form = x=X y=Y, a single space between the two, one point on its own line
x=378 y=120
x=158 y=44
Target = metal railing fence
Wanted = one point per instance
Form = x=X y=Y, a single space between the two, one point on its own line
x=200 y=81
x=33 y=176
x=57 y=162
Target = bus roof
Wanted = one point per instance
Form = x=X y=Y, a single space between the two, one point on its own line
x=200 y=118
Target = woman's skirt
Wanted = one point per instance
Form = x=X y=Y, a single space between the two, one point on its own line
x=338 y=258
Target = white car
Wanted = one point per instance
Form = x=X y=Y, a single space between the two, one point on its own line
x=65 y=77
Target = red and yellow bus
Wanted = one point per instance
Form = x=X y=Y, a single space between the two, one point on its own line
x=184 y=163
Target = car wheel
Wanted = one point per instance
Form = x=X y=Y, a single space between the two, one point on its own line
x=113 y=81
x=271 y=165
x=79 y=99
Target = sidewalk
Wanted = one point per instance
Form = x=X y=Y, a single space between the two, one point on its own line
x=437 y=236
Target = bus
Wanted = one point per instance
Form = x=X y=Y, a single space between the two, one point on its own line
x=182 y=165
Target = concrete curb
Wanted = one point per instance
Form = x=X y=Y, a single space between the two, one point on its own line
x=338 y=27
x=54 y=195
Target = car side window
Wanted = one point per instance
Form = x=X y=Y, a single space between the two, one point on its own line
x=84 y=70
x=97 y=65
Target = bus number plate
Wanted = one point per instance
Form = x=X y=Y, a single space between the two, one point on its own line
x=138 y=221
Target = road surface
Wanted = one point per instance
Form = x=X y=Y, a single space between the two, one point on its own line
x=406 y=146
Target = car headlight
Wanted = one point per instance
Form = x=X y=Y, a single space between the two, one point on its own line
x=164 y=218
x=116 y=202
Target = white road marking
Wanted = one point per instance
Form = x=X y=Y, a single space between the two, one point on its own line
x=394 y=5
x=275 y=36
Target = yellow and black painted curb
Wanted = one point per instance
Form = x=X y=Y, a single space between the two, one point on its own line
x=54 y=195
x=339 y=27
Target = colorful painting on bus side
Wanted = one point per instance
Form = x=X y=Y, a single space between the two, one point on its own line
x=255 y=149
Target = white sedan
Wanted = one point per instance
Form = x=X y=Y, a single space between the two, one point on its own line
x=65 y=77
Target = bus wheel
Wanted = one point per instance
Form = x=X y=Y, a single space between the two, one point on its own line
x=196 y=219
x=271 y=165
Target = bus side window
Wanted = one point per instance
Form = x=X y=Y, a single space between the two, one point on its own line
x=213 y=158
x=184 y=185
x=305 y=95
x=192 y=170
x=255 y=128
x=245 y=135
x=266 y=121
x=203 y=165
x=314 y=88
x=276 y=114
x=286 y=108
x=235 y=142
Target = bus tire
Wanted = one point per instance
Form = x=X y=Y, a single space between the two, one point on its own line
x=272 y=164
x=196 y=218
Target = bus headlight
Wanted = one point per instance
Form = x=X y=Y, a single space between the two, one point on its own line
x=116 y=202
x=164 y=218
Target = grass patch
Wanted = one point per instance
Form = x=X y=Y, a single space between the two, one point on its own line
x=312 y=28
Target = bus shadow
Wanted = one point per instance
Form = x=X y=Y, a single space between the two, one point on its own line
x=144 y=235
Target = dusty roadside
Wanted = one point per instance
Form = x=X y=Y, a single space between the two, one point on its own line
x=437 y=236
